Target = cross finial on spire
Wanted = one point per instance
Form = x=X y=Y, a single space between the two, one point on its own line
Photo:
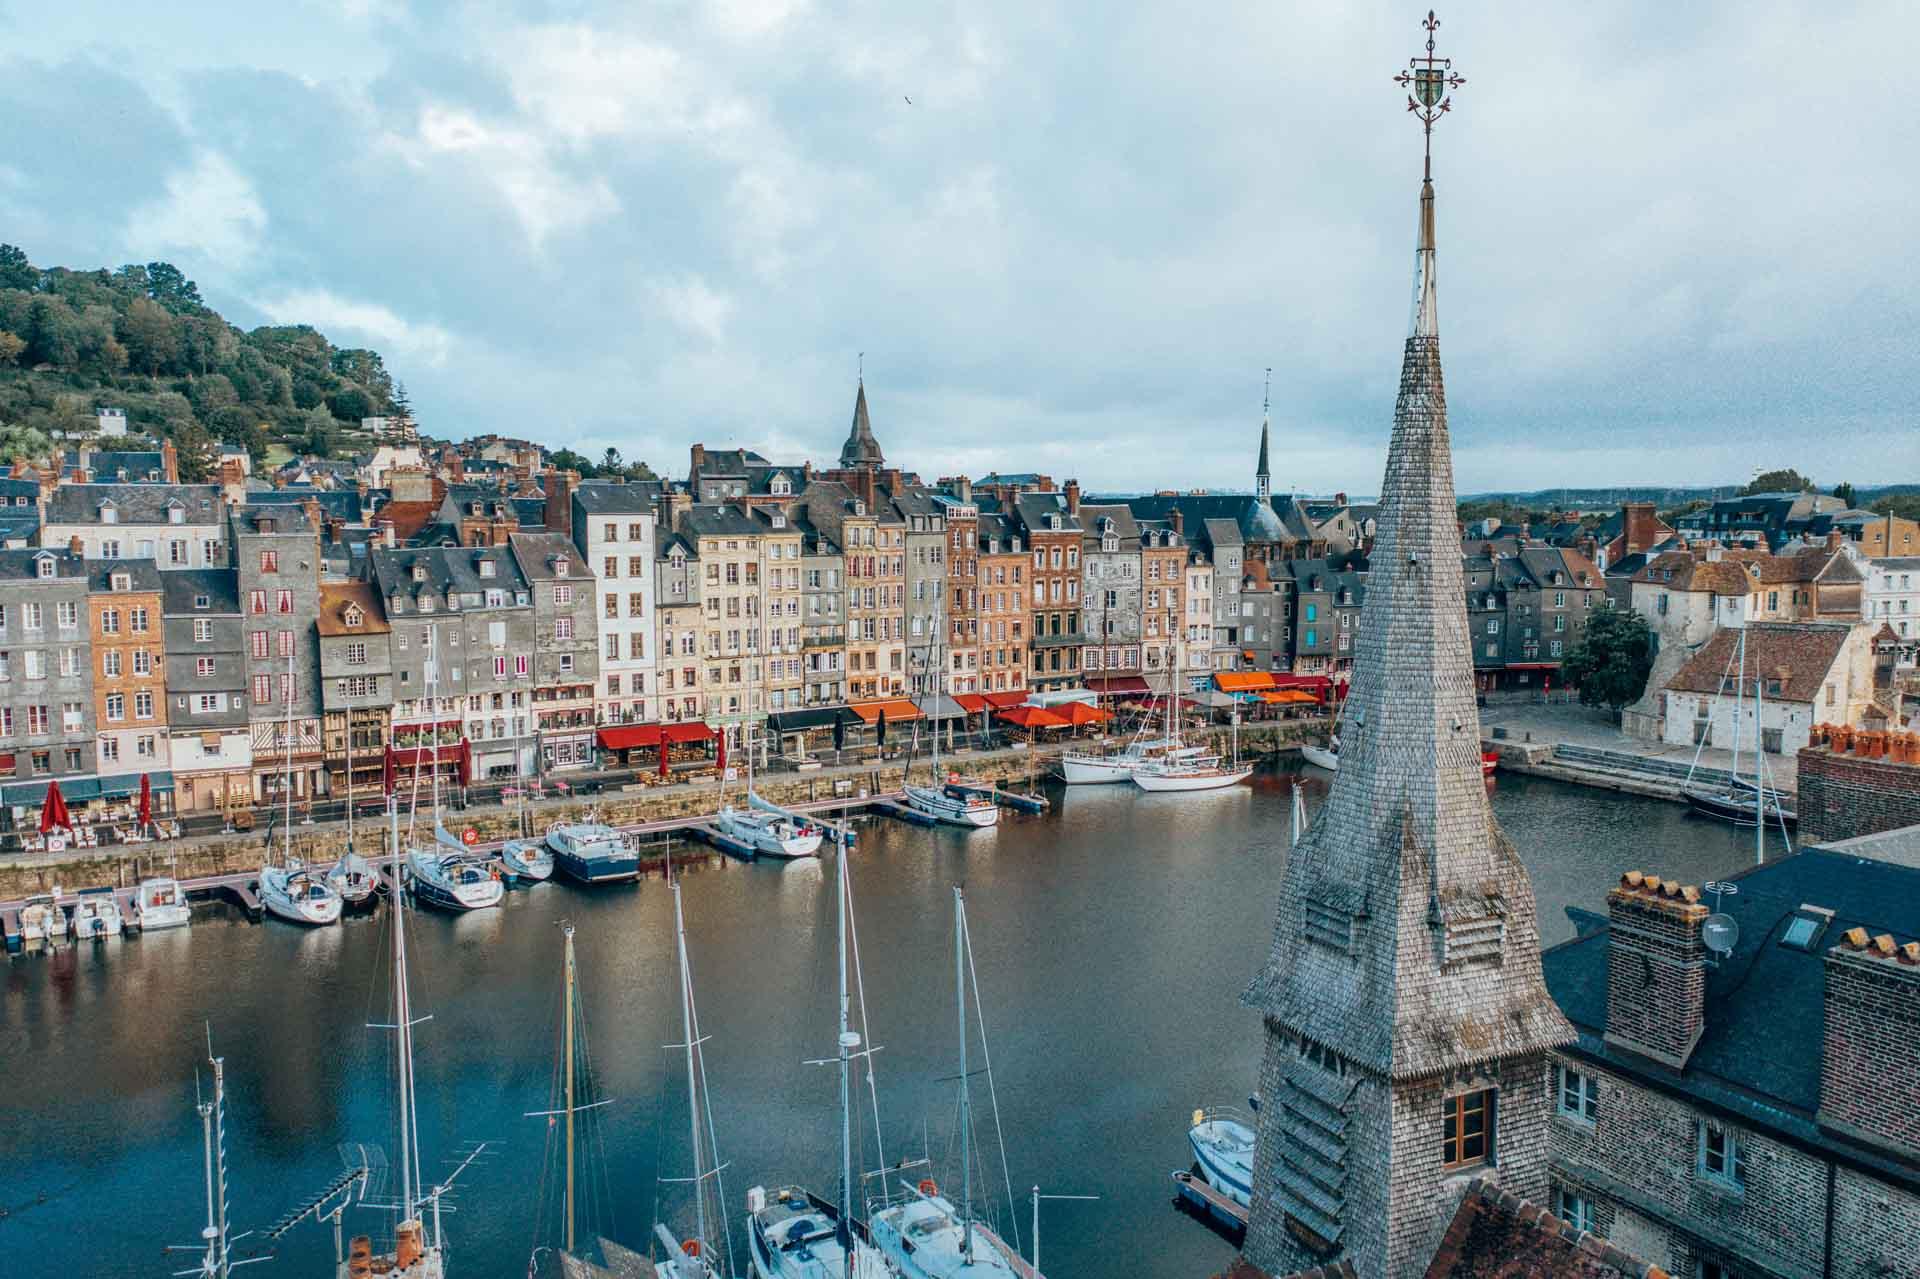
x=1266 y=396
x=860 y=368
x=1430 y=82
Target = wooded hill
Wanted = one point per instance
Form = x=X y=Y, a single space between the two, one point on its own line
x=141 y=339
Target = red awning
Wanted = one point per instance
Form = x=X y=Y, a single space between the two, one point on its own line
x=1312 y=683
x=971 y=703
x=681 y=734
x=1000 y=701
x=628 y=737
x=1114 y=685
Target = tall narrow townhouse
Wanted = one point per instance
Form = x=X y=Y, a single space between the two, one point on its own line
x=566 y=648
x=1163 y=600
x=682 y=624
x=843 y=517
x=823 y=629
x=961 y=614
x=616 y=530
x=1005 y=611
x=727 y=542
x=206 y=647
x=782 y=597
x=924 y=516
x=276 y=553
x=124 y=611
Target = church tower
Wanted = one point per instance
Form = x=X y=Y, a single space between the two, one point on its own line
x=1263 y=476
x=861 y=449
x=1406 y=1022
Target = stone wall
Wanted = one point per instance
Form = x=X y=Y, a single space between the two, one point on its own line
x=1844 y=795
x=324 y=842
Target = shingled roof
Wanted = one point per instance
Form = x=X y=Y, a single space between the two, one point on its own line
x=1798 y=654
x=1496 y=1234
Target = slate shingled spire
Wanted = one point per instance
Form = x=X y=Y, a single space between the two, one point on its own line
x=861 y=449
x=1405 y=966
x=1263 y=475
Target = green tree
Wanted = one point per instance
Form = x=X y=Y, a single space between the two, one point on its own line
x=350 y=404
x=568 y=460
x=1611 y=663
x=169 y=286
x=1846 y=492
x=1782 y=481
x=15 y=271
x=611 y=463
x=1902 y=506
x=194 y=451
x=319 y=435
x=53 y=333
x=23 y=444
x=11 y=345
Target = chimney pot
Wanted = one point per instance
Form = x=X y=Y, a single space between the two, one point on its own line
x=1910 y=953
x=1856 y=938
x=76 y=546
x=1883 y=944
x=1632 y=879
x=1690 y=894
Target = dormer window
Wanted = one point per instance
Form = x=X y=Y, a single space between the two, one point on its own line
x=47 y=568
x=203 y=601
x=560 y=565
x=779 y=520
x=419 y=572
x=486 y=568
x=176 y=514
x=1109 y=543
x=120 y=582
x=353 y=616
x=109 y=513
x=780 y=487
x=859 y=508
x=426 y=601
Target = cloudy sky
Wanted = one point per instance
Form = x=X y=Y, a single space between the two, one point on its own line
x=1676 y=241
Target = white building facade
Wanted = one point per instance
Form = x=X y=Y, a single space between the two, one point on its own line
x=616 y=528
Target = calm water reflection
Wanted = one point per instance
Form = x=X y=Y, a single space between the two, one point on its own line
x=1113 y=937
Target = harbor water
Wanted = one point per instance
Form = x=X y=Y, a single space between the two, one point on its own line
x=1112 y=936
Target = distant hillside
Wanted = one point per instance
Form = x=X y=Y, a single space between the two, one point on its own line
x=140 y=339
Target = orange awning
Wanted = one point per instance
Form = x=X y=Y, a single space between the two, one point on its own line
x=1081 y=713
x=897 y=709
x=1242 y=681
x=1289 y=697
x=1002 y=700
x=1032 y=717
x=971 y=703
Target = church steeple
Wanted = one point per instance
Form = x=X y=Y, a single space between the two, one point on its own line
x=861 y=449
x=1402 y=997
x=1263 y=476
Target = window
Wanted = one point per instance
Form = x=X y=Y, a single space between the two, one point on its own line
x=269 y=561
x=203 y=667
x=285 y=643
x=612 y=605
x=499 y=668
x=36 y=664
x=283 y=601
x=142 y=662
x=35 y=618
x=1575 y=1210
x=563 y=628
x=256 y=602
x=110 y=663
x=70 y=719
x=1579 y=1095
x=257 y=643
x=146 y=746
x=110 y=621
x=138 y=619
x=1722 y=1156
x=143 y=707
x=356 y=654
x=202 y=630
x=37 y=720
x=262 y=690
x=1467 y=1129
x=177 y=552
x=562 y=595
x=209 y=703
x=116 y=706
x=46 y=567
x=109 y=750
x=566 y=661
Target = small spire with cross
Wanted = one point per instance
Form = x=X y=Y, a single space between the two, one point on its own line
x=1430 y=83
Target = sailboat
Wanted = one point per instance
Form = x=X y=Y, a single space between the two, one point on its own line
x=419 y=1242
x=968 y=808
x=695 y=1256
x=1737 y=800
x=1187 y=770
x=926 y=1236
x=448 y=874
x=289 y=889
x=766 y=827
x=351 y=876
x=1087 y=768
x=216 y=1246
x=793 y=1233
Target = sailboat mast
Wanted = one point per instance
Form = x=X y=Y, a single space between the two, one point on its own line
x=847 y=1041
x=403 y=1044
x=569 y=1034
x=1759 y=774
x=217 y=1173
x=966 y=1118
x=286 y=778
x=693 y=1096
x=209 y=1266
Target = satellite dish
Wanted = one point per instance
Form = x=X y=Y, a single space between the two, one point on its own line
x=1720 y=933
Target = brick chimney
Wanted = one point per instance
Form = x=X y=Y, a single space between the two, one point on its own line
x=233 y=482
x=1869 y=1074
x=1834 y=539
x=169 y=461
x=76 y=546
x=1339 y=499
x=696 y=458
x=560 y=486
x=1073 y=497
x=1656 y=968
x=1179 y=521
x=1638 y=526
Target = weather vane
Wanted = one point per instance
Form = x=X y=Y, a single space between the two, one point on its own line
x=1429 y=82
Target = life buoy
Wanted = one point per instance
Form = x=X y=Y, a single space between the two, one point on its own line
x=469 y=836
x=928 y=1188
x=691 y=1247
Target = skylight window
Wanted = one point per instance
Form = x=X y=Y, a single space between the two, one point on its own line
x=1805 y=927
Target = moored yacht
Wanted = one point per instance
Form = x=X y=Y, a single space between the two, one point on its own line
x=967 y=809
x=1203 y=773
x=770 y=834
x=527 y=861
x=454 y=881
x=299 y=895
x=353 y=878
x=794 y=1234
x=592 y=852
x=1079 y=768
x=96 y=914
x=160 y=903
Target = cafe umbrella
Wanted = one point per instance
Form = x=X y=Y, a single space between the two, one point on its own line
x=53 y=810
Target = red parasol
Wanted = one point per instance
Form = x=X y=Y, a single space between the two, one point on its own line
x=1032 y=717
x=146 y=801
x=53 y=812
x=1081 y=713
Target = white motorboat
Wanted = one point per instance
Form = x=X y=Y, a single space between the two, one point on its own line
x=923 y=1235
x=770 y=834
x=967 y=809
x=299 y=895
x=160 y=903
x=1222 y=1142
x=43 y=919
x=1327 y=757
x=527 y=859
x=454 y=881
x=96 y=914
x=353 y=878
